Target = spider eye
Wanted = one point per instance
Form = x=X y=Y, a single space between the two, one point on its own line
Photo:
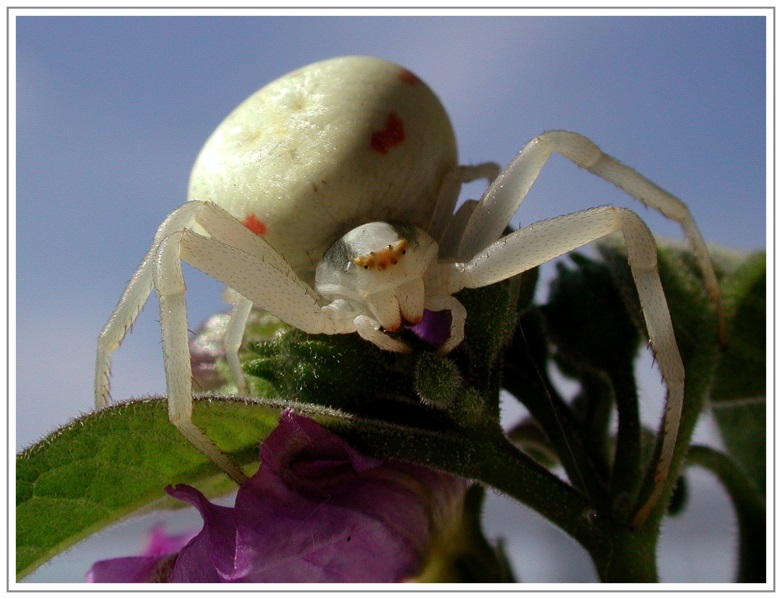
x=382 y=259
x=374 y=257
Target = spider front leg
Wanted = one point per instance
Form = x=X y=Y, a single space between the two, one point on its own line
x=549 y=239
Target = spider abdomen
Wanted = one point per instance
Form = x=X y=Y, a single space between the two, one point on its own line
x=324 y=149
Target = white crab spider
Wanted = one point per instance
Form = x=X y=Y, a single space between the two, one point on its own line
x=327 y=198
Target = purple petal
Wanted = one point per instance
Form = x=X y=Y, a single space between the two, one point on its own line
x=129 y=569
x=335 y=514
x=435 y=328
x=159 y=543
x=210 y=556
x=154 y=565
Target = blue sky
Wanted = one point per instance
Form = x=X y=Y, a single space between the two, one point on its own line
x=111 y=112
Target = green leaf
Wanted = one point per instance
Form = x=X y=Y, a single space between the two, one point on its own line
x=108 y=464
x=739 y=393
x=588 y=320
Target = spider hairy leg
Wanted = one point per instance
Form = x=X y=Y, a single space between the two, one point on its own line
x=589 y=156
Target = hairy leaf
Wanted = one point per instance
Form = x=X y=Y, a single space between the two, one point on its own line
x=739 y=393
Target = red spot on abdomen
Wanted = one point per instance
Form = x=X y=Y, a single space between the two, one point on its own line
x=392 y=135
x=255 y=225
x=408 y=77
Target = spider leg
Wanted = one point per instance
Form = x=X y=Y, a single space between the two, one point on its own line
x=233 y=337
x=548 y=239
x=449 y=243
x=509 y=189
x=449 y=193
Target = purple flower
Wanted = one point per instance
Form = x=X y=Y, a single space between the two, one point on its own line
x=316 y=511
